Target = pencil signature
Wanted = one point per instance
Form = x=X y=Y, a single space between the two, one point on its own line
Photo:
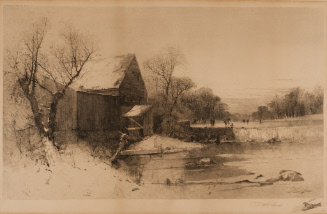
x=266 y=204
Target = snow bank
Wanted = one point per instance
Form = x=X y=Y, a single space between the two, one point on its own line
x=157 y=141
x=75 y=175
x=282 y=133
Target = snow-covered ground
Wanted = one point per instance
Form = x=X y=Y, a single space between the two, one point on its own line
x=163 y=142
x=78 y=175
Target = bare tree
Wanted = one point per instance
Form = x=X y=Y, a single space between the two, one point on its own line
x=164 y=65
x=70 y=57
x=62 y=66
x=25 y=64
x=178 y=87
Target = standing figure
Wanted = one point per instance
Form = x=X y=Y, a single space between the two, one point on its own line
x=228 y=121
x=218 y=139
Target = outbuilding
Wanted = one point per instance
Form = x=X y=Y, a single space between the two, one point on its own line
x=140 y=121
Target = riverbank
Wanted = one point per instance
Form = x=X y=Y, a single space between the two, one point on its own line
x=78 y=175
x=294 y=133
x=237 y=171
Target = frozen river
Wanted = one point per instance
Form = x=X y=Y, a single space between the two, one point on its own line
x=235 y=171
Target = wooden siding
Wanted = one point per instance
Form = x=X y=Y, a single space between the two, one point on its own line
x=90 y=111
x=66 y=109
x=148 y=123
x=132 y=90
x=97 y=112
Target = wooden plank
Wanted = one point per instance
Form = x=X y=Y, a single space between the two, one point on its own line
x=140 y=152
x=156 y=151
x=136 y=122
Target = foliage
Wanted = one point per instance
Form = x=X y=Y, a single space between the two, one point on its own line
x=262 y=113
x=205 y=104
x=297 y=102
x=165 y=89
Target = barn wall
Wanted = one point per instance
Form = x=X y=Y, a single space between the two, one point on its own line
x=66 y=109
x=148 y=123
x=67 y=112
x=97 y=112
x=132 y=90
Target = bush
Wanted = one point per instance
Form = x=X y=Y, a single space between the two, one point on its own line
x=169 y=126
x=102 y=143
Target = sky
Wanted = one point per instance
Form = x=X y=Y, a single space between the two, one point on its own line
x=245 y=54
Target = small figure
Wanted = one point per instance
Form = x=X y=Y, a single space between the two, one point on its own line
x=218 y=140
x=228 y=121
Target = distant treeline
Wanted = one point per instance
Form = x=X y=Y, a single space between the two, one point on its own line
x=298 y=102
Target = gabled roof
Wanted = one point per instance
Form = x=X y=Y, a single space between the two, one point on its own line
x=138 y=110
x=105 y=73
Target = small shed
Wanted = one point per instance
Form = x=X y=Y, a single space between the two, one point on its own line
x=140 y=121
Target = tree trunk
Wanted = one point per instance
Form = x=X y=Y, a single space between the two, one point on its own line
x=50 y=151
x=37 y=115
x=34 y=105
x=30 y=95
x=122 y=144
x=52 y=119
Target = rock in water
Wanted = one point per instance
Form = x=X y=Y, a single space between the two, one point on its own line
x=290 y=175
x=287 y=175
x=179 y=181
x=266 y=183
x=205 y=161
x=134 y=189
x=201 y=163
x=259 y=176
x=191 y=165
x=167 y=181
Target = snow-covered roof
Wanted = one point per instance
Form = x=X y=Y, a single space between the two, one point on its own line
x=112 y=91
x=104 y=73
x=138 y=110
